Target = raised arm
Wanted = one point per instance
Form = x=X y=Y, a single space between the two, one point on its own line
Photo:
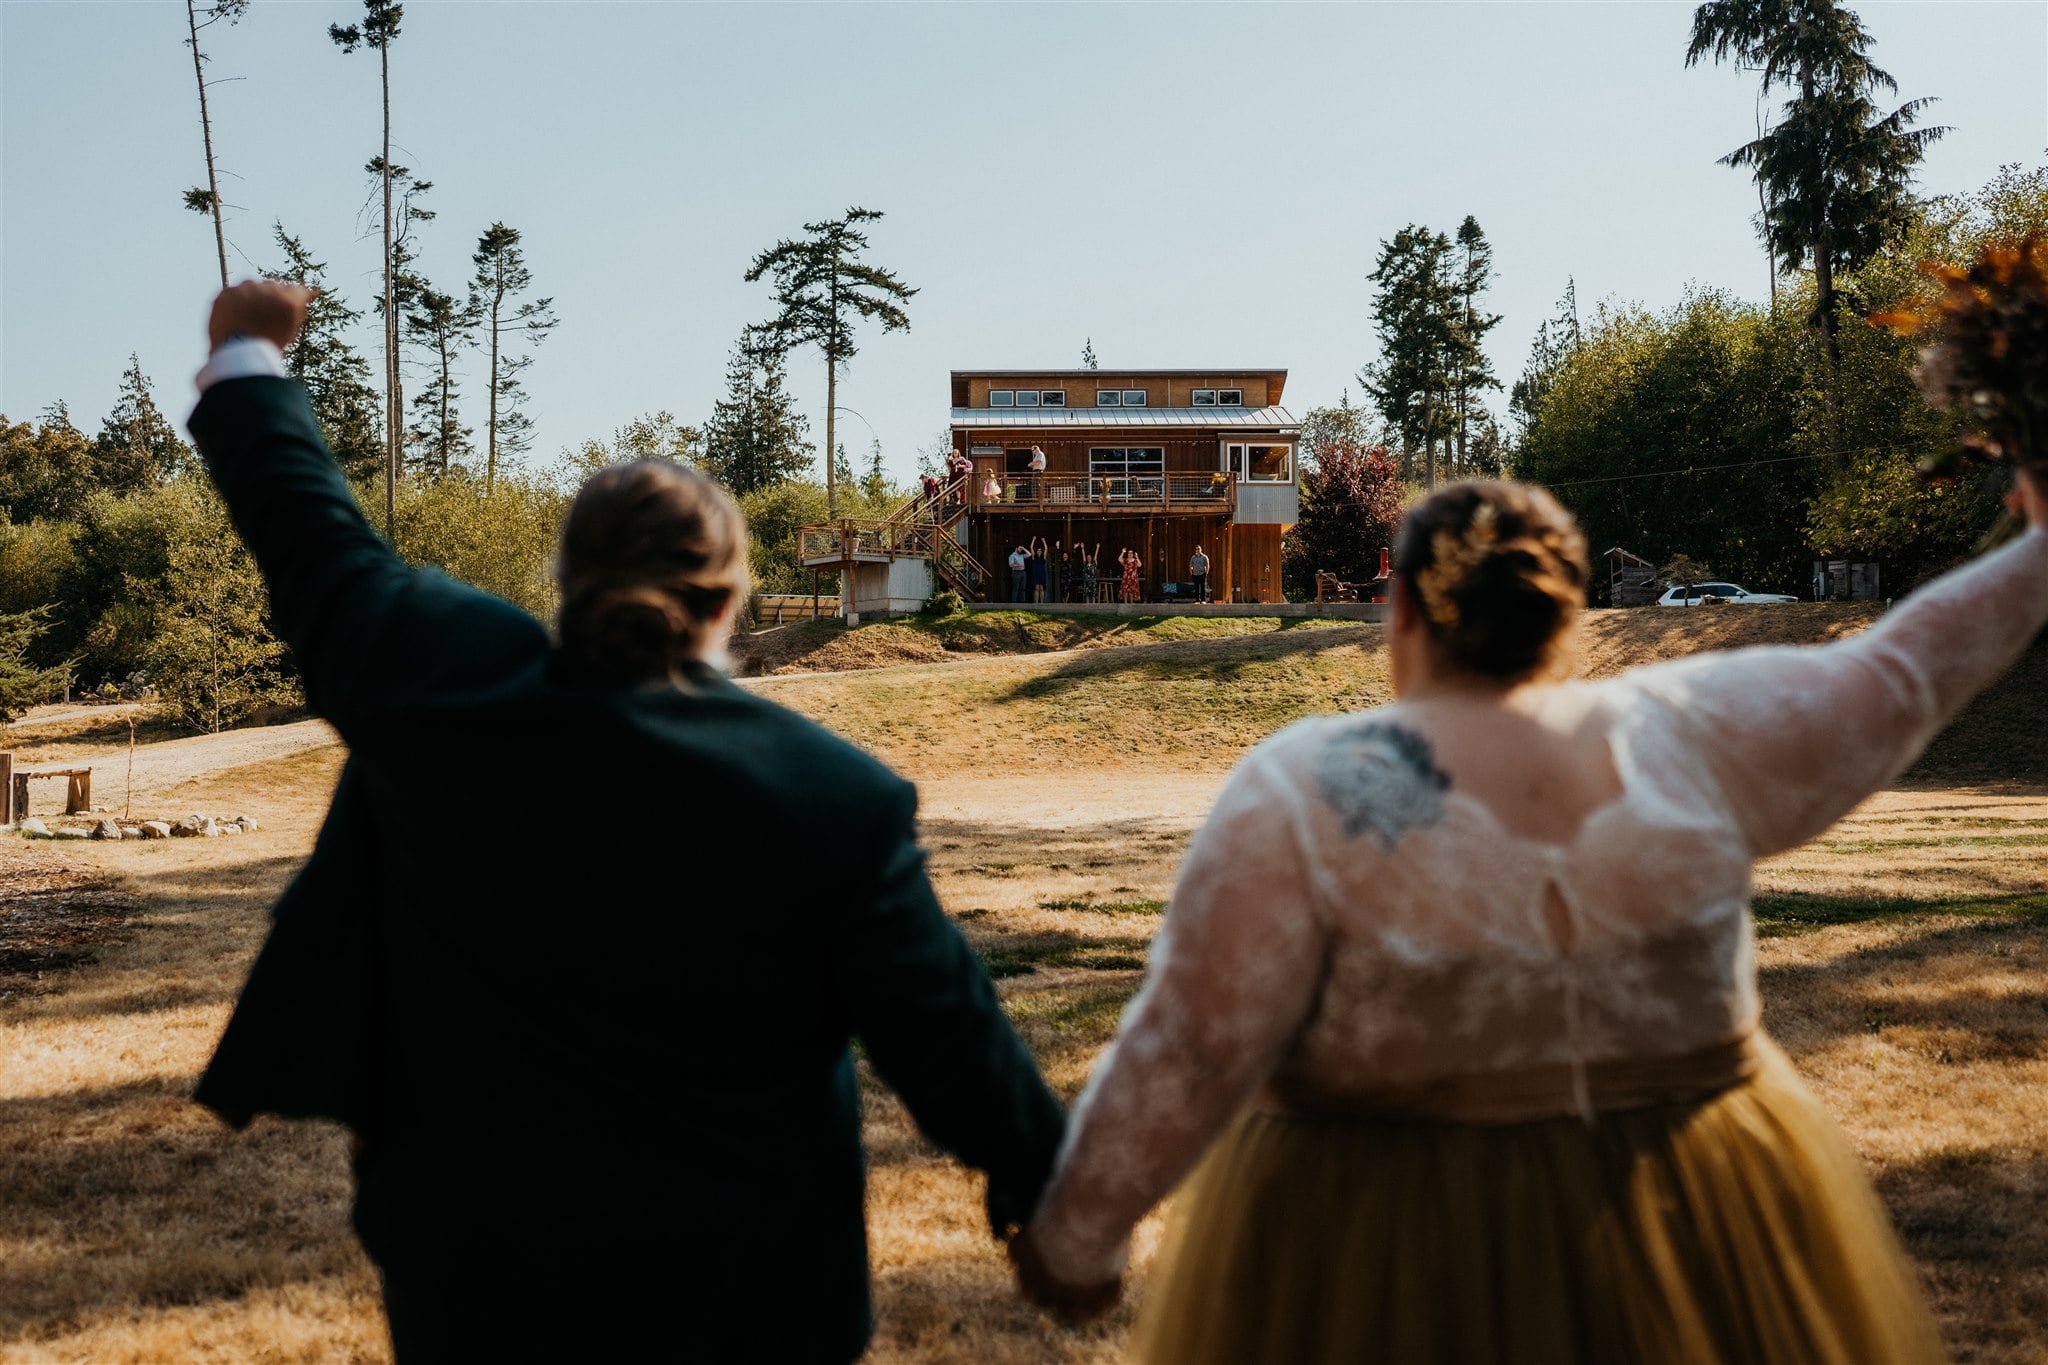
x=339 y=596
x=1233 y=977
x=1794 y=737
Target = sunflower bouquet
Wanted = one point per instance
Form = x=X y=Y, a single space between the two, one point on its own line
x=1985 y=358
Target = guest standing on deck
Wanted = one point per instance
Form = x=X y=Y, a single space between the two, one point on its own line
x=1459 y=995
x=1132 y=588
x=1198 y=574
x=1037 y=569
x=1091 y=571
x=1020 y=569
x=572 y=1144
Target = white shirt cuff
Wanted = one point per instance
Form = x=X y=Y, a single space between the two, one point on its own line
x=242 y=358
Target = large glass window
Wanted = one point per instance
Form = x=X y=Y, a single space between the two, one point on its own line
x=1109 y=398
x=1230 y=398
x=1121 y=460
x=1053 y=398
x=1134 y=398
x=1027 y=398
x=1204 y=398
x=1260 y=463
x=1002 y=398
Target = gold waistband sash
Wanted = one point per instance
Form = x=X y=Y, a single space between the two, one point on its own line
x=1531 y=1093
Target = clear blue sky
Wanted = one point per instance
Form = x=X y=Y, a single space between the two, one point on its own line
x=1189 y=185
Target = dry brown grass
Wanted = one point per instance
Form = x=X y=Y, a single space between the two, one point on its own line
x=1902 y=966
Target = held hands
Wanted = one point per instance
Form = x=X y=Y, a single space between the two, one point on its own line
x=269 y=309
x=1070 y=1303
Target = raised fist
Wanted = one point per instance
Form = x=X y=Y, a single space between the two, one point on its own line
x=270 y=309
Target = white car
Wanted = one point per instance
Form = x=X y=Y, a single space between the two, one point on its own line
x=1710 y=593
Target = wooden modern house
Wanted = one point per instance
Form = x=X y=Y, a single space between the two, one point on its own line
x=1156 y=461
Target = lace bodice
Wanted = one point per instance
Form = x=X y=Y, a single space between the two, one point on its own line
x=1349 y=924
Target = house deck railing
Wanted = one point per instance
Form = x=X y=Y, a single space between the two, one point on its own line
x=1107 y=494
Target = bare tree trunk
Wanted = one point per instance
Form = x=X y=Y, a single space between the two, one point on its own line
x=443 y=433
x=392 y=437
x=491 y=430
x=831 y=450
x=220 y=239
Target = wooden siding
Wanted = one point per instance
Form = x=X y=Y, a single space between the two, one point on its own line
x=1161 y=391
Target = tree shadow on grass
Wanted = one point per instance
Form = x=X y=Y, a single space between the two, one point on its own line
x=1919 y=987
x=1222 y=660
x=127 y=1198
x=1783 y=913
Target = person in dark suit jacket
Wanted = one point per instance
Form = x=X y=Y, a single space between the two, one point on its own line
x=600 y=1067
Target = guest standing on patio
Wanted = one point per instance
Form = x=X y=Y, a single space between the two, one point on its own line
x=1063 y=558
x=1091 y=571
x=1133 y=589
x=1020 y=567
x=1038 y=569
x=1198 y=574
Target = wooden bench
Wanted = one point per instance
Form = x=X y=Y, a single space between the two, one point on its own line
x=77 y=791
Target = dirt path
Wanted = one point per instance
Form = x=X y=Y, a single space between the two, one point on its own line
x=162 y=767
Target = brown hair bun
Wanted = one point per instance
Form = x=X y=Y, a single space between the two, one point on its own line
x=1499 y=571
x=653 y=553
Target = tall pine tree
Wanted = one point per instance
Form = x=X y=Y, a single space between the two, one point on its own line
x=1836 y=172
x=1415 y=310
x=377 y=30
x=756 y=437
x=206 y=199
x=506 y=321
x=1556 y=339
x=441 y=326
x=335 y=375
x=821 y=288
x=137 y=446
x=1472 y=372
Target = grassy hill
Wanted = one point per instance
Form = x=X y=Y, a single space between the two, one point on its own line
x=1182 y=695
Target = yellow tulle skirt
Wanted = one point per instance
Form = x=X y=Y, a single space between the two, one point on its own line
x=1742 y=1228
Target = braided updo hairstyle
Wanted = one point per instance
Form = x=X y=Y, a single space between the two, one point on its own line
x=652 y=556
x=1499 y=572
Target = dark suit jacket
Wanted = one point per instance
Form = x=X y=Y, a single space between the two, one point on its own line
x=583 y=966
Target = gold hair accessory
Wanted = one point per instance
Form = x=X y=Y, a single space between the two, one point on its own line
x=1453 y=556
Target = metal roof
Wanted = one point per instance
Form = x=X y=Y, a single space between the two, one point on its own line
x=1035 y=419
x=1085 y=373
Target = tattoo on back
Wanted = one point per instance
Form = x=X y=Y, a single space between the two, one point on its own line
x=1382 y=780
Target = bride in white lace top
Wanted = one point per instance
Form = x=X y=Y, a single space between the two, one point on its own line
x=1500 y=901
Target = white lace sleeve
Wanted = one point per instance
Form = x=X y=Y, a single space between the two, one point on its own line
x=1795 y=737
x=1233 y=975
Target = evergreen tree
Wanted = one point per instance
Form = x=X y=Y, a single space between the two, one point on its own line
x=1836 y=172
x=405 y=281
x=505 y=319
x=1473 y=370
x=336 y=377
x=821 y=287
x=442 y=326
x=377 y=30
x=1415 y=311
x=874 y=481
x=22 y=684
x=207 y=199
x=1556 y=340
x=1088 y=355
x=755 y=438
x=137 y=446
